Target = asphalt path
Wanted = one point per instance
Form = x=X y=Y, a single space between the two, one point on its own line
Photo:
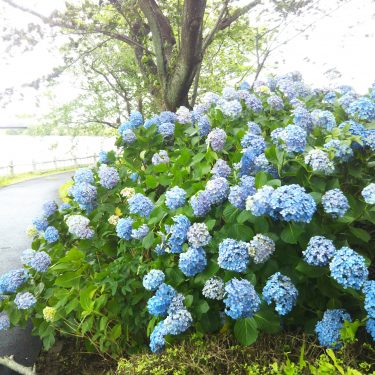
x=19 y=204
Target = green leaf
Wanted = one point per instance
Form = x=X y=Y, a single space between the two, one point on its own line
x=361 y=234
x=268 y=321
x=115 y=332
x=246 y=331
x=260 y=179
x=230 y=213
x=151 y=182
x=291 y=234
x=203 y=307
x=244 y=216
x=310 y=271
x=148 y=241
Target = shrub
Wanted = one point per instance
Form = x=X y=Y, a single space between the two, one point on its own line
x=259 y=216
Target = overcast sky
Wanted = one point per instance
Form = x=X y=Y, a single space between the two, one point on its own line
x=344 y=41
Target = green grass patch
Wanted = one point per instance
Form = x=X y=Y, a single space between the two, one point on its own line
x=5 y=181
x=271 y=355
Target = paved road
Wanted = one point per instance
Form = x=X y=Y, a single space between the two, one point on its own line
x=19 y=204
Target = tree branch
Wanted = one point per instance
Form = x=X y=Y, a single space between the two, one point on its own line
x=74 y=26
x=227 y=21
x=13 y=365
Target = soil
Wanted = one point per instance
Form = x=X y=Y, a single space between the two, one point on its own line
x=68 y=357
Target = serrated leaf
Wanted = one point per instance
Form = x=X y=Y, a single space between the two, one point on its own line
x=246 y=331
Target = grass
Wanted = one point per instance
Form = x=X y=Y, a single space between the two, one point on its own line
x=5 y=181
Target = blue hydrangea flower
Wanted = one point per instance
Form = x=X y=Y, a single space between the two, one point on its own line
x=128 y=136
x=51 y=234
x=255 y=142
x=254 y=128
x=78 y=225
x=214 y=288
x=108 y=176
x=291 y=203
x=154 y=120
x=342 y=151
x=261 y=163
x=335 y=203
x=4 y=322
x=319 y=162
x=200 y=203
x=166 y=129
x=103 y=157
x=275 y=102
x=12 y=280
x=183 y=115
x=135 y=119
x=158 y=304
x=328 y=329
x=198 y=235
x=167 y=116
x=178 y=322
x=216 y=139
x=346 y=100
x=302 y=118
x=140 y=232
x=153 y=280
x=65 y=207
x=229 y=93
x=84 y=193
x=253 y=103
x=348 y=268
x=160 y=158
x=210 y=98
x=370 y=327
x=247 y=161
x=258 y=203
x=159 y=249
x=140 y=205
x=241 y=299
x=41 y=223
x=261 y=248
x=292 y=136
x=369 y=139
x=157 y=340
x=323 y=119
x=233 y=255
x=204 y=126
x=217 y=190
x=330 y=97
x=354 y=128
x=178 y=233
x=230 y=108
x=280 y=290
x=363 y=109
x=175 y=198
x=40 y=262
x=83 y=175
x=199 y=110
x=368 y=194
x=24 y=300
x=49 y=208
x=27 y=256
x=221 y=169
x=245 y=86
x=369 y=292
x=192 y=261
x=239 y=193
x=124 y=228
x=319 y=251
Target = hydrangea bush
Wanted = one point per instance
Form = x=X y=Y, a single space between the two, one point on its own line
x=252 y=212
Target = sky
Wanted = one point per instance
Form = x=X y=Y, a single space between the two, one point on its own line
x=343 y=40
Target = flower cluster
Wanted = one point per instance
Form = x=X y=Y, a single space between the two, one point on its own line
x=198 y=235
x=124 y=228
x=335 y=203
x=292 y=137
x=108 y=176
x=280 y=289
x=233 y=255
x=4 y=322
x=241 y=299
x=12 y=280
x=140 y=205
x=160 y=158
x=192 y=261
x=369 y=292
x=328 y=329
x=178 y=233
x=261 y=248
x=214 y=288
x=51 y=234
x=319 y=251
x=348 y=268
x=78 y=225
x=24 y=301
x=368 y=194
x=319 y=161
x=175 y=198
x=221 y=169
x=216 y=139
x=153 y=280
